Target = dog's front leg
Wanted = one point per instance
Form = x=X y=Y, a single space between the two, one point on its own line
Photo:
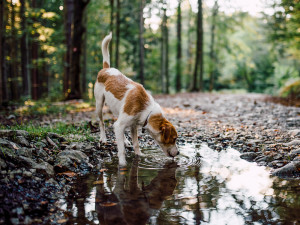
x=135 y=142
x=119 y=129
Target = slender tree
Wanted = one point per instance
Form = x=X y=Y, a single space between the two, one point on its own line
x=2 y=53
x=199 y=51
x=34 y=57
x=13 y=54
x=212 y=54
x=178 y=57
x=164 y=52
x=24 y=52
x=78 y=31
x=68 y=21
x=117 y=34
x=111 y=25
x=141 y=42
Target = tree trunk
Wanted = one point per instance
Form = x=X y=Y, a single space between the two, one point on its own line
x=78 y=31
x=34 y=57
x=68 y=21
x=3 y=81
x=178 y=57
x=111 y=29
x=199 y=51
x=117 y=34
x=164 y=43
x=189 y=51
x=212 y=45
x=14 y=68
x=141 y=40
x=84 y=52
x=24 y=53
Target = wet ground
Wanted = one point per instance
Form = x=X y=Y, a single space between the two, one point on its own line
x=202 y=186
x=238 y=164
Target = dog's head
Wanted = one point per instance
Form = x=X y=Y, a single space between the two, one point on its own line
x=164 y=133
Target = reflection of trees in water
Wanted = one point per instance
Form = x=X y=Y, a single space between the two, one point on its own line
x=120 y=200
x=130 y=204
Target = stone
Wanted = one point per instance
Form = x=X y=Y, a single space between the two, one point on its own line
x=14 y=133
x=2 y=164
x=66 y=160
x=293 y=143
x=27 y=152
x=294 y=133
x=294 y=153
x=8 y=144
x=21 y=140
x=291 y=169
x=249 y=156
x=44 y=168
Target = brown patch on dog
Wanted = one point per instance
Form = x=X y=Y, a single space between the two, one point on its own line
x=116 y=84
x=102 y=76
x=105 y=64
x=168 y=131
x=136 y=100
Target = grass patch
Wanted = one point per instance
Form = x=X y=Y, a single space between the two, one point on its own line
x=43 y=107
x=60 y=128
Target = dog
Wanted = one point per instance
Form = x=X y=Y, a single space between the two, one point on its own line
x=133 y=107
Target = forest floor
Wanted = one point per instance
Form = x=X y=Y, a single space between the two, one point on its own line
x=42 y=154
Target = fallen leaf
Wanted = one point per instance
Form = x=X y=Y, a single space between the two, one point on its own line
x=68 y=173
x=108 y=204
x=62 y=221
x=99 y=182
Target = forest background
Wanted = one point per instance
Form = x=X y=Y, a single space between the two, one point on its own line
x=51 y=49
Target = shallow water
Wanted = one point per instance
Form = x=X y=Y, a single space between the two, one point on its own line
x=201 y=186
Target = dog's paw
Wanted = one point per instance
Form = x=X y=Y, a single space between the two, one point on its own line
x=127 y=143
x=103 y=140
x=140 y=154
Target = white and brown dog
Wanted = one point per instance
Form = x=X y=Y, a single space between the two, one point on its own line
x=134 y=108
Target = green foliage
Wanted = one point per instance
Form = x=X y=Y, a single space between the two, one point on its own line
x=82 y=130
x=291 y=89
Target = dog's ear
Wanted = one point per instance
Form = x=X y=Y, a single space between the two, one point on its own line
x=166 y=133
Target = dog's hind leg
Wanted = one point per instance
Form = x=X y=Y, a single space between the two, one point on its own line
x=99 y=107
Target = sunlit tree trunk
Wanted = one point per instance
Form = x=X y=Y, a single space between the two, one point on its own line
x=24 y=52
x=112 y=30
x=178 y=57
x=141 y=41
x=117 y=34
x=212 y=54
x=164 y=53
x=199 y=51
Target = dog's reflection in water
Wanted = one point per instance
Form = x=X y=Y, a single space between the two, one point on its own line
x=131 y=204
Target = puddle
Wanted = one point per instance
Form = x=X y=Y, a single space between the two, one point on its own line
x=201 y=186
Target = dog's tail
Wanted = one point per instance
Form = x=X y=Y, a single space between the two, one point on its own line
x=105 y=51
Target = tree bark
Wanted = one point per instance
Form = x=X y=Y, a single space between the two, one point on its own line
x=164 y=53
x=111 y=29
x=178 y=57
x=212 y=45
x=78 y=31
x=68 y=21
x=24 y=53
x=117 y=34
x=199 y=51
x=34 y=57
x=14 y=68
x=3 y=79
x=141 y=41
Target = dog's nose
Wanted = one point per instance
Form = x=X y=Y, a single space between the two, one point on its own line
x=178 y=153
